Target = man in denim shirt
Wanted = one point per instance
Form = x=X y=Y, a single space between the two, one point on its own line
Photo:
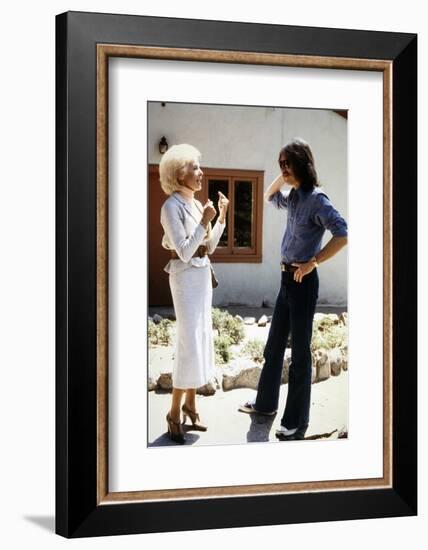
x=310 y=213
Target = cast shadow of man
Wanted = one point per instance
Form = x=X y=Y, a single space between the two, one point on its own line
x=260 y=428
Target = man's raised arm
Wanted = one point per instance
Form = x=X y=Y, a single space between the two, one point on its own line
x=273 y=193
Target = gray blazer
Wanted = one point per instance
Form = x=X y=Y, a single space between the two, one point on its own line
x=184 y=233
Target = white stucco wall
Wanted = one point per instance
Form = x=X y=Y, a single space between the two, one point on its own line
x=250 y=138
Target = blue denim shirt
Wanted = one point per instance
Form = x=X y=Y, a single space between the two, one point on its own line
x=310 y=213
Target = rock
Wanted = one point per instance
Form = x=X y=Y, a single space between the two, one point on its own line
x=336 y=360
x=286 y=366
x=328 y=318
x=285 y=373
x=333 y=317
x=208 y=389
x=164 y=381
x=151 y=383
x=244 y=373
x=344 y=352
x=213 y=385
x=157 y=356
x=218 y=377
x=343 y=433
x=157 y=318
x=319 y=317
x=343 y=318
x=322 y=364
x=314 y=375
x=249 y=320
x=241 y=373
x=150 y=318
x=262 y=322
x=239 y=318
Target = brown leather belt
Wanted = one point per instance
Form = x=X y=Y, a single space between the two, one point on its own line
x=288 y=267
x=201 y=251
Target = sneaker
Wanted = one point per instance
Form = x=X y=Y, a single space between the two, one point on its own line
x=298 y=434
x=249 y=407
x=285 y=432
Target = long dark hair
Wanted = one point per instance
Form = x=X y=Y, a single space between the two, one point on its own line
x=299 y=156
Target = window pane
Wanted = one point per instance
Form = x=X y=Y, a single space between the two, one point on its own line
x=243 y=213
x=214 y=186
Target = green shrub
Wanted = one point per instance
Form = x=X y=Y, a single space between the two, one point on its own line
x=222 y=349
x=328 y=334
x=254 y=350
x=217 y=318
x=228 y=325
x=159 y=334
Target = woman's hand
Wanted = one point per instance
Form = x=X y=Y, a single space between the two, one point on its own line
x=209 y=213
x=223 y=204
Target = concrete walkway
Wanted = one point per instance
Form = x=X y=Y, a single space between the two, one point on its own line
x=226 y=425
x=245 y=311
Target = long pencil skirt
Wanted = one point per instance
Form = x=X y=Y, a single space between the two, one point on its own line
x=191 y=291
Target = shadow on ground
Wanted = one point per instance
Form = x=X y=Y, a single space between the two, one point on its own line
x=260 y=428
x=165 y=441
x=45 y=522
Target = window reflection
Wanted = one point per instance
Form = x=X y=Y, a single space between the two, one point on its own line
x=214 y=186
x=243 y=214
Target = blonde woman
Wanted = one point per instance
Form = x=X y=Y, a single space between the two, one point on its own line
x=190 y=238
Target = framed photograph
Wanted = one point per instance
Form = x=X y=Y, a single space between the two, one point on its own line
x=242 y=308
x=198 y=165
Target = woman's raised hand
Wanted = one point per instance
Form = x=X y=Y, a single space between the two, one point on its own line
x=209 y=213
x=223 y=204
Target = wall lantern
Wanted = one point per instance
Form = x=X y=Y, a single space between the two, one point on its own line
x=163 y=145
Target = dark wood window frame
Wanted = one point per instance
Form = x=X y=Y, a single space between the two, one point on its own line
x=233 y=254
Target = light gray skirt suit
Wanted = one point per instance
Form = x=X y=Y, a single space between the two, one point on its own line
x=191 y=289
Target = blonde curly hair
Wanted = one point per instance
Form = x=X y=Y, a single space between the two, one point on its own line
x=173 y=166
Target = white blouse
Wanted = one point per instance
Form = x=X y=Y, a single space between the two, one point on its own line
x=184 y=233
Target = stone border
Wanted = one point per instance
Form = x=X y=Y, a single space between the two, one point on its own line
x=242 y=372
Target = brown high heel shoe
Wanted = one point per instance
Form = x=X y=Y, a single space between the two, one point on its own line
x=175 y=430
x=194 y=417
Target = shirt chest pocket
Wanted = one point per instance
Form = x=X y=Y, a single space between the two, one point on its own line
x=303 y=218
x=304 y=225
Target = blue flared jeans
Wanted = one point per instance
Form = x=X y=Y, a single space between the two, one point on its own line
x=293 y=313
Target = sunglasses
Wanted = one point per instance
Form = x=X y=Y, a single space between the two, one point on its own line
x=283 y=164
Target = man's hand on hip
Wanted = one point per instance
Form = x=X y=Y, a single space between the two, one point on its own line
x=304 y=269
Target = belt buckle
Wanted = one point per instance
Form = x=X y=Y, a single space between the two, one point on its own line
x=288 y=268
